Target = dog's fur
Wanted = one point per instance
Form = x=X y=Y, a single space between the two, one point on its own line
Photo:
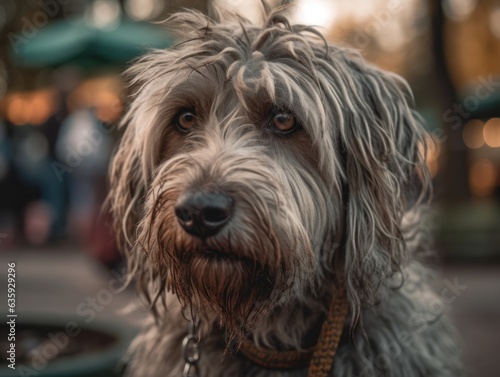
x=339 y=201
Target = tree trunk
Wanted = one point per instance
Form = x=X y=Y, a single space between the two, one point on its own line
x=454 y=179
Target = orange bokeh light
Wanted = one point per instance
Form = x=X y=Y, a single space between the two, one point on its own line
x=103 y=94
x=491 y=132
x=482 y=177
x=473 y=134
x=30 y=108
x=15 y=107
x=109 y=106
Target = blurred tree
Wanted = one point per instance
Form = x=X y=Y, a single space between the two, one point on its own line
x=22 y=22
x=454 y=177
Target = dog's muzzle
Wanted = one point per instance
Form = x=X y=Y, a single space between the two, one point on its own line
x=204 y=214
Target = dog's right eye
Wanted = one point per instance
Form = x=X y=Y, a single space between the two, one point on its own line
x=185 y=120
x=283 y=122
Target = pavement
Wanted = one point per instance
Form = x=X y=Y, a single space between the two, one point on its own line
x=62 y=290
x=476 y=311
x=69 y=283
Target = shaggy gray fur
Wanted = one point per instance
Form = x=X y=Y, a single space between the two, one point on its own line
x=338 y=201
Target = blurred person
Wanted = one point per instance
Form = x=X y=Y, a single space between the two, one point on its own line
x=32 y=179
x=32 y=161
x=15 y=192
x=84 y=148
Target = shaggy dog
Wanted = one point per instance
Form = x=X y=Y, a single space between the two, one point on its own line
x=262 y=173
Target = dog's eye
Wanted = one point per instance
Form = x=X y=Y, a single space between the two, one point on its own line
x=185 y=120
x=283 y=123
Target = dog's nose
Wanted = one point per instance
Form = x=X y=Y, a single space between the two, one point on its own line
x=204 y=214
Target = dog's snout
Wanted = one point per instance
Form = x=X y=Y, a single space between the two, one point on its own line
x=204 y=214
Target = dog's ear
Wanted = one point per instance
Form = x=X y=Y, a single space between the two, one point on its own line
x=385 y=176
x=131 y=163
x=139 y=148
x=126 y=190
x=128 y=178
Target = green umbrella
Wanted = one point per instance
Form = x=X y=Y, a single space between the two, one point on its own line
x=78 y=42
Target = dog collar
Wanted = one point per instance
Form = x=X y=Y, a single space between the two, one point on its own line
x=319 y=359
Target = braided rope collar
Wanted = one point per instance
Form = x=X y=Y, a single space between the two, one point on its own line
x=319 y=359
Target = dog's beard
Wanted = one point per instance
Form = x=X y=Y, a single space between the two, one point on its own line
x=238 y=280
x=237 y=290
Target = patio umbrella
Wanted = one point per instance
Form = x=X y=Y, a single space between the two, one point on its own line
x=81 y=43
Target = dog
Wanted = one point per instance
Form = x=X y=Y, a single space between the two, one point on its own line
x=266 y=182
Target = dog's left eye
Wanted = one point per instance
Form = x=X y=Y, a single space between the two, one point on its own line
x=283 y=122
x=185 y=120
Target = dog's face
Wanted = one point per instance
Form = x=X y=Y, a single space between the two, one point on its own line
x=258 y=164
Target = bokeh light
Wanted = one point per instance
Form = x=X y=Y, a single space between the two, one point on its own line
x=143 y=9
x=108 y=106
x=473 y=134
x=459 y=10
x=105 y=14
x=15 y=110
x=495 y=21
x=30 y=108
x=247 y=8
x=101 y=93
x=482 y=177
x=491 y=132
x=315 y=12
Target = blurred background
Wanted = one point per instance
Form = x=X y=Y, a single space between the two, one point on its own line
x=61 y=94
